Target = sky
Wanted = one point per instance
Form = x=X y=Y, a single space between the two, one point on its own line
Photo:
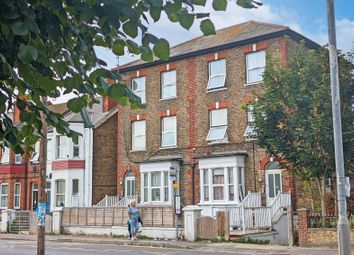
x=308 y=17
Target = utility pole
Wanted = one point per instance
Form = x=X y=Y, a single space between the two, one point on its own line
x=41 y=208
x=343 y=223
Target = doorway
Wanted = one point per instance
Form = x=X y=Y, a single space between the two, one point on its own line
x=273 y=181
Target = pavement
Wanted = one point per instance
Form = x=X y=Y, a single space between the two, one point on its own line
x=84 y=242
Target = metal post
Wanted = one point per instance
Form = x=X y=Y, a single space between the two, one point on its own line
x=176 y=216
x=343 y=223
x=41 y=186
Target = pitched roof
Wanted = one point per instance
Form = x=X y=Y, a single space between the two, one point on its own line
x=229 y=36
x=58 y=108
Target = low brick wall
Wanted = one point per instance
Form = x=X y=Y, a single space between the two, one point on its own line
x=325 y=237
x=317 y=236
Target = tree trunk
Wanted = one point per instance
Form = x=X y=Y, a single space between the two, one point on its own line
x=321 y=182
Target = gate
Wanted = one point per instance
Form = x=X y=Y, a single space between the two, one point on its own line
x=19 y=221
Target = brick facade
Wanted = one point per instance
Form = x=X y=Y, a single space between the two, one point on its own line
x=104 y=169
x=26 y=174
x=191 y=106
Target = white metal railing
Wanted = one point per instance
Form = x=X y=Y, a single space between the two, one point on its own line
x=126 y=200
x=250 y=214
x=108 y=201
x=283 y=199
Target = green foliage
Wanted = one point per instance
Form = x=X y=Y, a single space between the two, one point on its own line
x=48 y=47
x=294 y=114
x=249 y=240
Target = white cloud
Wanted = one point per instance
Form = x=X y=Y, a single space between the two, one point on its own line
x=344 y=32
x=234 y=15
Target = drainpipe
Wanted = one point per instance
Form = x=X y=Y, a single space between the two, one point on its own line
x=26 y=179
x=193 y=184
x=254 y=167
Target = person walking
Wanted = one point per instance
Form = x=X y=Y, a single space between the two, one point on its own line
x=133 y=219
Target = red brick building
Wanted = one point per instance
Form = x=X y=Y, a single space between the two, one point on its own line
x=195 y=120
x=19 y=175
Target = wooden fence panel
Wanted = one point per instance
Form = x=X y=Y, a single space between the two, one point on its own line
x=82 y=216
x=65 y=218
x=207 y=228
x=91 y=216
x=108 y=216
x=152 y=216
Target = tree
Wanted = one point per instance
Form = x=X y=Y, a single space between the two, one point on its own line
x=47 y=46
x=294 y=117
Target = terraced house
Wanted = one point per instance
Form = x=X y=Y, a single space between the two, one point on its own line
x=195 y=121
x=69 y=167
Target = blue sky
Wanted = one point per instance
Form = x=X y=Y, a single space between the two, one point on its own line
x=307 y=17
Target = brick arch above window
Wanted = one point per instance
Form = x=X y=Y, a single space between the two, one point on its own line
x=263 y=163
x=125 y=169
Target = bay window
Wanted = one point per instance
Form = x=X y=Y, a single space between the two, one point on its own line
x=222 y=184
x=156 y=187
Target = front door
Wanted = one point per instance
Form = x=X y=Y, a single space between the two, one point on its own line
x=273 y=184
x=130 y=184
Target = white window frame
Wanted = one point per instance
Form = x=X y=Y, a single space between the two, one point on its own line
x=5 y=196
x=146 y=169
x=214 y=127
x=5 y=155
x=35 y=155
x=213 y=76
x=60 y=147
x=49 y=149
x=18 y=159
x=140 y=92
x=218 y=185
x=17 y=195
x=129 y=178
x=250 y=132
x=249 y=68
x=206 y=185
x=165 y=132
x=236 y=163
x=59 y=194
x=76 y=146
x=135 y=145
x=165 y=85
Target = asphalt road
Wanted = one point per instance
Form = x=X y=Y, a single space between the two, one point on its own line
x=24 y=247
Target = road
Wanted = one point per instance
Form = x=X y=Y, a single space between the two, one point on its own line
x=27 y=247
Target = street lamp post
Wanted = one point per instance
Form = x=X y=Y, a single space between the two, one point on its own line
x=343 y=223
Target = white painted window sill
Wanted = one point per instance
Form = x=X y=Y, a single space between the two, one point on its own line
x=168 y=147
x=217 y=143
x=138 y=150
x=167 y=98
x=254 y=83
x=215 y=90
